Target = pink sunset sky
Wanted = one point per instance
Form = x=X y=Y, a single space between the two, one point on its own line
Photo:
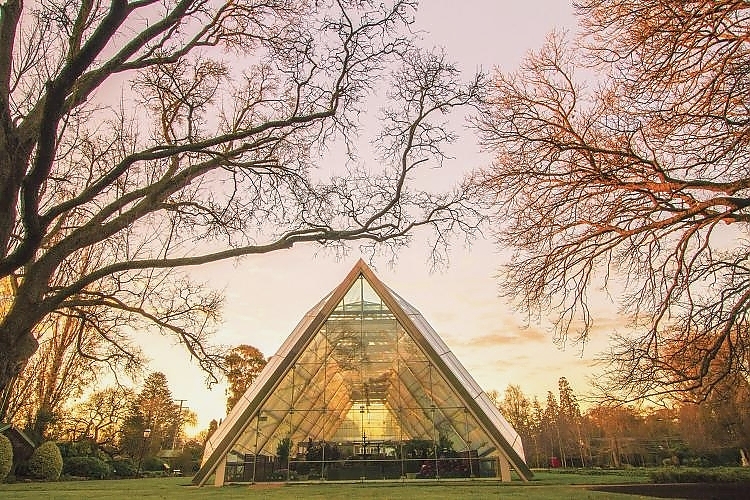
x=267 y=295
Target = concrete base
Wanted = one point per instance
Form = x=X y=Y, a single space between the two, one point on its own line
x=220 y=474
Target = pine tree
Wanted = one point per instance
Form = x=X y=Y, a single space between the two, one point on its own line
x=551 y=423
x=152 y=409
x=570 y=421
x=537 y=437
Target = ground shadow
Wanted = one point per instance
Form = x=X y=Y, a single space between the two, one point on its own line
x=703 y=491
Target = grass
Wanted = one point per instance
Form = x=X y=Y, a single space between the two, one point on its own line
x=546 y=485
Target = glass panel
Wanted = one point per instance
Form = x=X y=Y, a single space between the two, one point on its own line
x=361 y=393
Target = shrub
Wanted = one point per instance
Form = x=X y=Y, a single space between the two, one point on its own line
x=6 y=457
x=123 y=467
x=87 y=467
x=82 y=448
x=283 y=449
x=283 y=474
x=153 y=464
x=691 y=475
x=46 y=462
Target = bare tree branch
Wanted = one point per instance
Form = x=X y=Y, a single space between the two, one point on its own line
x=209 y=154
x=642 y=182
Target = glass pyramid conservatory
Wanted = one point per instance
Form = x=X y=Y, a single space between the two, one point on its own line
x=363 y=388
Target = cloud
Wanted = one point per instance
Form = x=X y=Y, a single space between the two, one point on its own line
x=606 y=324
x=505 y=338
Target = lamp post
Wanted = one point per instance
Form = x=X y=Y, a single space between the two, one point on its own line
x=177 y=423
x=436 y=439
x=362 y=426
x=146 y=434
x=260 y=418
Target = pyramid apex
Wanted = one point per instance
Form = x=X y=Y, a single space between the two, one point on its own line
x=362 y=265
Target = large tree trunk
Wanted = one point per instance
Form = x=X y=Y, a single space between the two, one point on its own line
x=17 y=344
x=9 y=182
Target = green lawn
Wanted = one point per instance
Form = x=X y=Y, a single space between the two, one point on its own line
x=546 y=485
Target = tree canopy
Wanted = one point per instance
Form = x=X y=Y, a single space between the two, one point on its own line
x=632 y=175
x=138 y=137
x=154 y=409
x=243 y=364
x=613 y=435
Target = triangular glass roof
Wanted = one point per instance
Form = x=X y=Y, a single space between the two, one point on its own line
x=365 y=371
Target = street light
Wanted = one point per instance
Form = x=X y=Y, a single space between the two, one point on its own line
x=260 y=418
x=436 y=439
x=362 y=426
x=146 y=434
x=177 y=423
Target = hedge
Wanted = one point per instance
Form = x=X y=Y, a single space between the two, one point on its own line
x=46 y=462
x=123 y=467
x=704 y=475
x=153 y=464
x=82 y=448
x=6 y=457
x=87 y=467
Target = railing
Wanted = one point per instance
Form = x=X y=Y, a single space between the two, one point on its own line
x=359 y=468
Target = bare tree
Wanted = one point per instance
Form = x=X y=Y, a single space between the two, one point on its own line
x=205 y=152
x=53 y=375
x=516 y=408
x=98 y=418
x=74 y=346
x=640 y=181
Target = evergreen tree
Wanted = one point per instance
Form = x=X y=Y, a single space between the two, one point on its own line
x=541 y=452
x=550 y=426
x=570 y=422
x=154 y=409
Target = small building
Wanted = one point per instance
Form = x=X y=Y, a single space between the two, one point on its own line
x=23 y=445
x=363 y=388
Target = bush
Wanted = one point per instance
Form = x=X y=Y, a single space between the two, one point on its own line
x=46 y=462
x=691 y=475
x=153 y=464
x=87 y=467
x=82 y=448
x=283 y=474
x=123 y=467
x=6 y=457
